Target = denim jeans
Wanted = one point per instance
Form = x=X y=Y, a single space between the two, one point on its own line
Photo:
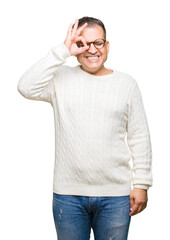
x=74 y=216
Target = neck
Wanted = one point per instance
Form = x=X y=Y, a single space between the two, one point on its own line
x=103 y=71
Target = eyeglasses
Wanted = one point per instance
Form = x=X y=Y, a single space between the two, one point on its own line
x=98 y=43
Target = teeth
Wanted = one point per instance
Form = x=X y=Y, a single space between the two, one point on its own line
x=92 y=58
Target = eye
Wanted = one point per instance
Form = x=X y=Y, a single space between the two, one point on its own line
x=98 y=43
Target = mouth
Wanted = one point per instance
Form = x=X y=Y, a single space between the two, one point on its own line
x=92 y=58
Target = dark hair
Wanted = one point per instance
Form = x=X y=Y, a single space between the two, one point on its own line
x=91 y=22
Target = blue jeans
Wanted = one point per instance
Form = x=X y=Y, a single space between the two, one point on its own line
x=74 y=216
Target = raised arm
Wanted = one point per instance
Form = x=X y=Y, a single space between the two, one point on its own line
x=37 y=82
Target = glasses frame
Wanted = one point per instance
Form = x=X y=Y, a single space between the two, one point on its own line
x=80 y=44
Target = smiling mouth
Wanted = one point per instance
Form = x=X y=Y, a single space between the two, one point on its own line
x=92 y=57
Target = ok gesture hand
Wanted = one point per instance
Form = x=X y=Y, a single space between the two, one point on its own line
x=73 y=36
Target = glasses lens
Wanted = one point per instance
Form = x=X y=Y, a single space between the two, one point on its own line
x=99 y=43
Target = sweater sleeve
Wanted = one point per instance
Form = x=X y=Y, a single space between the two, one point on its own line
x=138 y=139
x=37 y=82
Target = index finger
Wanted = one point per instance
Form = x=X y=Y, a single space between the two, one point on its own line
x=75 y=28
x=69 y=30
x=135 y=209
x=80 y=29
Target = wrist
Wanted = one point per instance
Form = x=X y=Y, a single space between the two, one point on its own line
x=67 y=46
x=141 y=186
x=61 y=51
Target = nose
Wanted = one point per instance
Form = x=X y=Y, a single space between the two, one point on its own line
x=92 y=48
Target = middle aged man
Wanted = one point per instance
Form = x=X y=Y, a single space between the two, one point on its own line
x=95 y=110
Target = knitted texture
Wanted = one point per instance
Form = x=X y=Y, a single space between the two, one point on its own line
x=100 y=125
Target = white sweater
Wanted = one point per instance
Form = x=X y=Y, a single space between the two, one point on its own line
x=100 y=125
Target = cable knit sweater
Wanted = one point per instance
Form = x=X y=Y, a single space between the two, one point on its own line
x=100 y=125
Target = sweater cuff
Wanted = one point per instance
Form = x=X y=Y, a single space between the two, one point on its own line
x=62 y=51
x=145 y=187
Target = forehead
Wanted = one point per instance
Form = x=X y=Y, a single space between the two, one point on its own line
x=92 y=33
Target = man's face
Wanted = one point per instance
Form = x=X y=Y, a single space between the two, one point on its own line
x=92 y=60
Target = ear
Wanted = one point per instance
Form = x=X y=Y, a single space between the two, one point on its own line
x=107 y=46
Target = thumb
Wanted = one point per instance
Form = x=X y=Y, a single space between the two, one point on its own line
x=82 y=49
x=132 y=202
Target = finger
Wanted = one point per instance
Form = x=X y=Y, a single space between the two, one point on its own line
x=81 y=29
x=132 y=202
x=142 y=207
x=81 y=50
x=80 y=38
x=69 y=30
x=74 y=29
x=134 y=210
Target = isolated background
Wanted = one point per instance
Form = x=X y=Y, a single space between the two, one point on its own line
x=139 y=36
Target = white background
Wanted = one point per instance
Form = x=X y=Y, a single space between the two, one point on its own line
x=138 y=32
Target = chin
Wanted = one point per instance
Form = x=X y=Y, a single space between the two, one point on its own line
x=92 y=66
x=92 y=69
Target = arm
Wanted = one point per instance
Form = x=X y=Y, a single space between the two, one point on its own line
x=138 y=139
x=37 y=82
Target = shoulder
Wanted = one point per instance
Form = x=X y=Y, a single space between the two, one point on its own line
x=126 y=77
x=127 y=81
x=64 y=70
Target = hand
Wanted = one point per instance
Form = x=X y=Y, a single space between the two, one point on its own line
x=73 y=36
x=138 y=201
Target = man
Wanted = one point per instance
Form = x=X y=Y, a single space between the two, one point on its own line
x=95 y=110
